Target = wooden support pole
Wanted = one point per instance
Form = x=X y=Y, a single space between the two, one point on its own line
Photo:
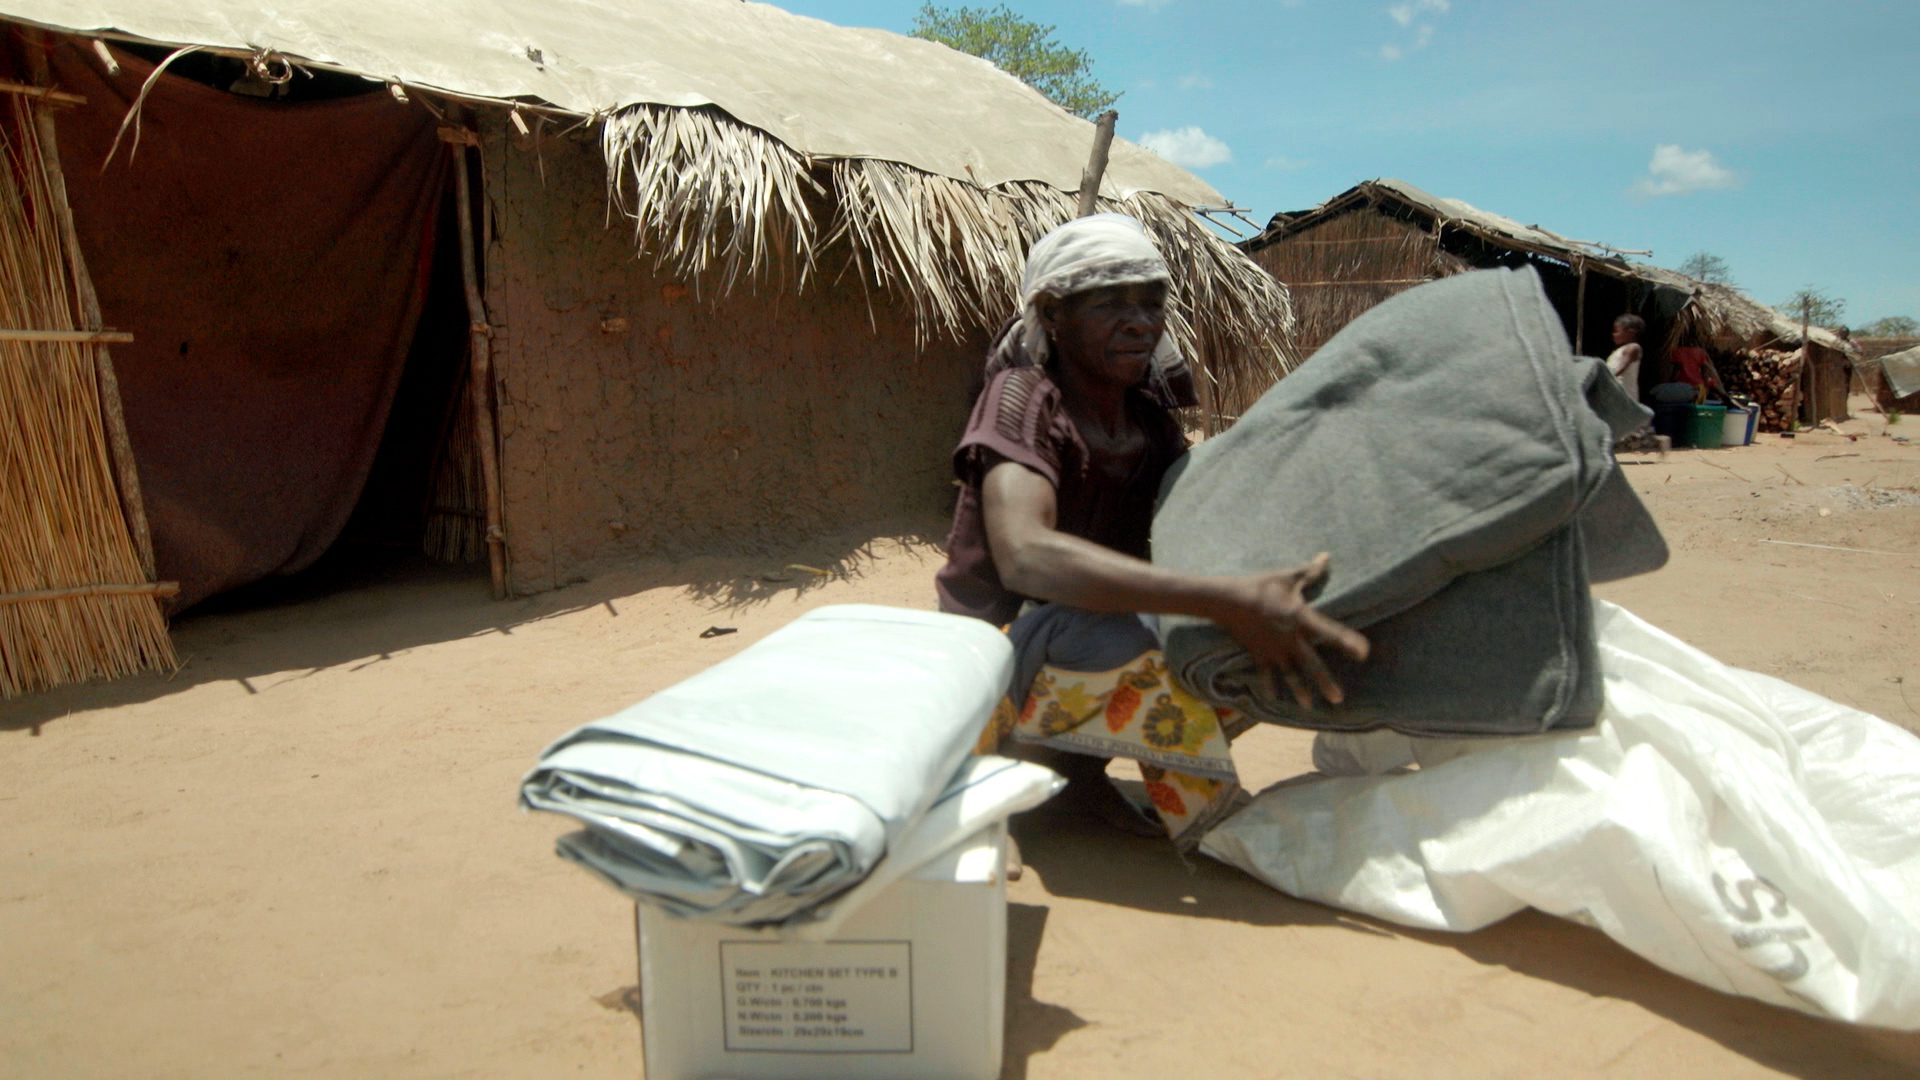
x=81 y=337
x=1809 y=410
x=1097 y=163
x=157 y=589
x=119 y=444
x=481 y=376
x=1580 y=310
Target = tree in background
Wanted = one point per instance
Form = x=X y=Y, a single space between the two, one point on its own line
x=1020 y=47
x=1892 y=326
x=1815 y=306
x=1707 y=267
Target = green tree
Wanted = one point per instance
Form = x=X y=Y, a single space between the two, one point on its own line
x=1705 y=266
x=1892 y=326
x=1815 y=306
x=1020 y=47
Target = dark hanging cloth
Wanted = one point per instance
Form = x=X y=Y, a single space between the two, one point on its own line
x=271 y=260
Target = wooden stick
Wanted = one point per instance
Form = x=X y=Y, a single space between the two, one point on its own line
x=45 y=93
x=106 y=58
x=1097 y=163
x=126 y=470
x=482 y=378
x=94 y=337
x=1409 y=238
x=1831 y=547
x=1386 y=281
x=1580 y=313
x=1809 y=409
x=158 y=589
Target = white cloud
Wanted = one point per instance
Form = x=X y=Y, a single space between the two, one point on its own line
x=1405 y=13
x=1676 y=171
x=1195 y=82
x=1189 y=147
x=1408 y=14
x=1281 y=163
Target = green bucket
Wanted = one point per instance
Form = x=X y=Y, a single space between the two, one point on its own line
x=1706 y=426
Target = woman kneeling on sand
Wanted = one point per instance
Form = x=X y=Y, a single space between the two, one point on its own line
x=1059 y=469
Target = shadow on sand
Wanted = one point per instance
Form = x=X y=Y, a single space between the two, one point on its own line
x=358 y=608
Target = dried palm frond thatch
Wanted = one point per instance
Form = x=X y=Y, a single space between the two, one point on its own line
x=709 y=195
x=1724 y=315
x=74 y=603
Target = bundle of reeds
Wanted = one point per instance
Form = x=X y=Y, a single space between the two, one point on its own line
x=709 y=195
x=456 y=529
x=75 y=600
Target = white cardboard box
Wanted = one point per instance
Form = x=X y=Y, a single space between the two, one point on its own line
x=912 y=988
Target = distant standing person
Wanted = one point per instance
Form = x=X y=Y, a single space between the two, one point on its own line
x=1624 y=361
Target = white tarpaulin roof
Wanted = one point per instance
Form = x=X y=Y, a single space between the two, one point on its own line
x=1903 y=371
x=824 y=90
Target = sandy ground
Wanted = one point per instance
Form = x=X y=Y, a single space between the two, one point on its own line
x=301 y=856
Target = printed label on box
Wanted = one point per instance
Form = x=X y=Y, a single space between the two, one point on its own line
x=841 y=997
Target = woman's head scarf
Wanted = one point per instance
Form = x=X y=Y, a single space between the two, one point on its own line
x=1083 y=254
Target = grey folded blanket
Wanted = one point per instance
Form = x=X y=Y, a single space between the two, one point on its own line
x=1455 y=458
x=775 y=779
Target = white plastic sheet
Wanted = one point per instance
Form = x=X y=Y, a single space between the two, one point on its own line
x=1725 y=825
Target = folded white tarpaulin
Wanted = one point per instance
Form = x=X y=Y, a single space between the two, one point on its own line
x=782 y=776
x=1727 y=826
x=985 y=791
x=824 y=90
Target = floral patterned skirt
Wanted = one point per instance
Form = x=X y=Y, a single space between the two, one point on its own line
x=1132 y=709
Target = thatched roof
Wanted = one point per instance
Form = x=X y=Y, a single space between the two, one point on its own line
x=1434 y=212
x=1712 y=312
x=732 y=118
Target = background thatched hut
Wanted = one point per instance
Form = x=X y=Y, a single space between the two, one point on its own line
x=1384 y=236
x=561 y=286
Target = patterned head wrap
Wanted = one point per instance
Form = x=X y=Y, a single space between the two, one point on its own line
x=1090 y=253
x=1085 y=253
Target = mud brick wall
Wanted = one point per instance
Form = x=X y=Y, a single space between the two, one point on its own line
x=643 y=416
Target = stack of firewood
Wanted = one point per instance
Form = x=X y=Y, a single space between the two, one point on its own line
x=1771 y=379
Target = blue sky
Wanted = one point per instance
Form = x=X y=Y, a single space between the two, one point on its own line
x=1782 y=137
